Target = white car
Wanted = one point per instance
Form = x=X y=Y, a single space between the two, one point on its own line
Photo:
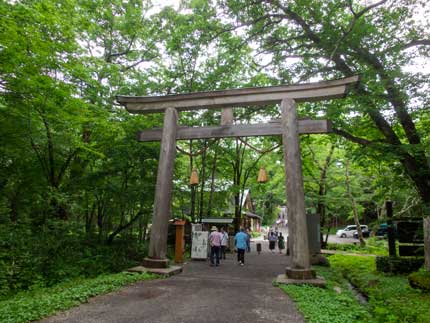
x=349 y=230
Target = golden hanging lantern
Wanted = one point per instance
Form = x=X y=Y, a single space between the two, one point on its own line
x=194 y=178
x=262 y=176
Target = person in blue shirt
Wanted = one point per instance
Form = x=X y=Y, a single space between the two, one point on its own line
x=240 y=241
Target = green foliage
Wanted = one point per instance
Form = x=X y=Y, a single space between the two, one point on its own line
x=373 y=246
x=384 y=119
x=420 y=279
x=47 y=255
x=398 y=265
x=68 y=151
x=41 y=302
x=321 y=305
x=391 y=299
x=358 y=269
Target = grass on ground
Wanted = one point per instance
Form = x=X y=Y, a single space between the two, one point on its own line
x=373 y=246
x=42 y=302
x=335 y=304
x=390 y=298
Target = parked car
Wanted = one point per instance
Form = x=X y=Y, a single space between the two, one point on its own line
x=382 y=231
x=348 y=231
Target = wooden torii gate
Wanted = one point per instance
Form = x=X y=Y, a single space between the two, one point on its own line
x=289 y=127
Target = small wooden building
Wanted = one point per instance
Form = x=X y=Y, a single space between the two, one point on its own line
x=227 y=223
x=252 y=221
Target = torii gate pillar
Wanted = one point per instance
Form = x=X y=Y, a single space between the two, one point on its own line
x=163 y=193
x=300 y=266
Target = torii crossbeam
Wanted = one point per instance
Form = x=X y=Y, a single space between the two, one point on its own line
x=289 y=127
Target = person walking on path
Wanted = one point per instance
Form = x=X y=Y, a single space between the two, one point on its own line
x=281 y=242
x=272 y=241
x=240 y=241
x=215 y=242
x=224 y=242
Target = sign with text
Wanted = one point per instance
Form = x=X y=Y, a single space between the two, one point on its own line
x=199 y=246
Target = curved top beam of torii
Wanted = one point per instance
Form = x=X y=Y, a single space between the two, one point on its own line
x=240 y=97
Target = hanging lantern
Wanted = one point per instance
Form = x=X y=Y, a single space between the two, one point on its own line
x=194 y=178
x=262 y=176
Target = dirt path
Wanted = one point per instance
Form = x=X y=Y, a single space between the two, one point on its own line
x=228 y=293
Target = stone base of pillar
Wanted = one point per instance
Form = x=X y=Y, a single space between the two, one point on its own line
x=301 y=274
x=284 y=280
x=155 y=263
x=165 y=272
x=319 y=259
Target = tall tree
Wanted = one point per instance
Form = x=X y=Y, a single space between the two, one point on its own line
x=327 y=39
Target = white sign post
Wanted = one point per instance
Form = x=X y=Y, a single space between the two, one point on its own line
x=199 y=249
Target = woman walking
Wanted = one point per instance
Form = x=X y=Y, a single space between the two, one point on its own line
x=281 y=242
x=272 y=241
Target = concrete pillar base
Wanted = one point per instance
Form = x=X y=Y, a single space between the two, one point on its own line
x=155 y=263
x=284 y=280
x=165 y=272
x=302 y=274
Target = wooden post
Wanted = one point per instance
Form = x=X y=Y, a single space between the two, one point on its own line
x=179 y=241
x=227 y=116
x=298 y=233
x=163 y=193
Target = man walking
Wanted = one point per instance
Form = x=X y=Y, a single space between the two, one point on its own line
x=240 y=241
x=215 y=241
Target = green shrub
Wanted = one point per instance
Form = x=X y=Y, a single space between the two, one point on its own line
x=41 y=302
x=373 y=246
x=398 y=265
x=57 y=251
x=391 y=299
x=358 y=269
x=420 y=279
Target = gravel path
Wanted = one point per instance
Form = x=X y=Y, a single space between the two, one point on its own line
x=228 y=293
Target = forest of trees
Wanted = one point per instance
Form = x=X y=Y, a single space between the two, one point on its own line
x=77 y=189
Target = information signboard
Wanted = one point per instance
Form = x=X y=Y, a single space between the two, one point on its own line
x=199 y=247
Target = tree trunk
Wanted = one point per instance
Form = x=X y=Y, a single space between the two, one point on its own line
x=122 y=227
x=89 y=215
x=100 y=218
x=145 y=226
x=237 y=168
x=426 y=228
x=140 y=231
x=321 y=207
x=193 y=189
x=354 y=207
x=14 y=208
x=211 y=194
x=202 y=180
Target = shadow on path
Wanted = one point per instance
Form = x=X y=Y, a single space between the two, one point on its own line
x=228 y=293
